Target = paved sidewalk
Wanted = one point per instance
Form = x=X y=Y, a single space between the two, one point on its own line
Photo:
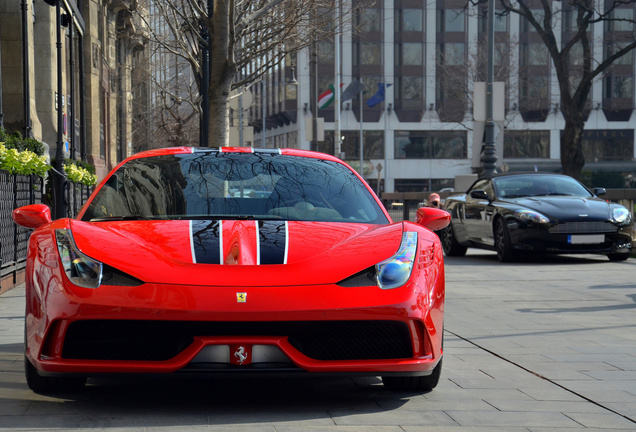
x=541 y=346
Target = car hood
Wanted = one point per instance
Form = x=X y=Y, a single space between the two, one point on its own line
x=566 y=208
x=237 y=253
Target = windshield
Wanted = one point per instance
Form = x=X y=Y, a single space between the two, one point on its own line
x=217 y=185
x=519 y=186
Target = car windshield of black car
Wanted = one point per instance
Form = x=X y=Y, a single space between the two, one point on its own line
x=538 y=185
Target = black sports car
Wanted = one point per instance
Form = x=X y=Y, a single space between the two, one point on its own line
x=536 y=212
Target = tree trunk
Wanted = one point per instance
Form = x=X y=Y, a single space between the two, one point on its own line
x=222 y=71
x=572 y=158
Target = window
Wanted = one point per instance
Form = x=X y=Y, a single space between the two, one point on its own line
x=618 y=87
x=608 y=145
x=373 y=144
x=409 y=20
x=325 y=52
x=430 y=145
x=409 y=54
x=409 y=92
x=452 y=54
x=535 y=87
x=527 y=144
x=534 y=54
x=621 y=20
x=370 y=53
x=369 y=20
x=451 y=20
x=614 y=47
x=538 y=14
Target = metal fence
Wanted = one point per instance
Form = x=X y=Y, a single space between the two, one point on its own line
x=18 y=190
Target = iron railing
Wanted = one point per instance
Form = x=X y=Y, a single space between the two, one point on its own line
x=17 y=190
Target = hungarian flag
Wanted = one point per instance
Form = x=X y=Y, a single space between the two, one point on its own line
x=325 y=98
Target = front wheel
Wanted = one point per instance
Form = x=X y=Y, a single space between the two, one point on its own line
x=421 y=383
x=618 y=256
x=44 y=384
x=449 y=243
x=503 y=245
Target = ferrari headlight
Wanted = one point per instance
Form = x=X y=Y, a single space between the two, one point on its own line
x=620 y=215
x=396 y=271
x=531 y=216
x=80 y=269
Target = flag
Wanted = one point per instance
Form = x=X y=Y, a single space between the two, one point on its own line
x=379 y=96
x=352 y=90
x=326 y=97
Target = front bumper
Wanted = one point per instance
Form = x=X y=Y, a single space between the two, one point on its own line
x=540 y=239
x=157 y=328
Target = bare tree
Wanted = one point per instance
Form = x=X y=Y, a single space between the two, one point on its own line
x=245 y=39
x=572 y=55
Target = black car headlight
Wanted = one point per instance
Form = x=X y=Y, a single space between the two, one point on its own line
x=531 y=216
x=396 y=271
x=621 y=215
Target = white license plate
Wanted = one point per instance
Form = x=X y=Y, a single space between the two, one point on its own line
x=586 y=239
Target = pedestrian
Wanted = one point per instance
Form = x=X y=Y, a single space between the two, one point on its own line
x=434 y=200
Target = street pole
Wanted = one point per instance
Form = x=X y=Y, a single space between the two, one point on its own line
x=361 y=134
x=336 y=134
x=1 y=111
x=59 y=177
x=25 y=71
x=263 y=100
x=489 y=155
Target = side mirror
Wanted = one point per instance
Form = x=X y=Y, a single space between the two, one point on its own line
x=480 y=194
x=432 y=218
x=32 y=216
x=599 y=191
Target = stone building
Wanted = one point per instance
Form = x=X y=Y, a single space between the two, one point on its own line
x=87 y=93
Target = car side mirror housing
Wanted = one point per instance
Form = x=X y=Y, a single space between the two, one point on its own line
x=480 y=194
x=32 y=216
x=599 y=191
x=432 y=218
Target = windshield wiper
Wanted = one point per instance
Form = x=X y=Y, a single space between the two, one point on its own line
x=125 y=218
x=229 y=217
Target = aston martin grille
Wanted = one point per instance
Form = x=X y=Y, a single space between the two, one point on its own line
x=584 y=227
x=163 y=340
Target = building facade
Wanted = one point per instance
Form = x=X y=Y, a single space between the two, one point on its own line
x=431 y=54
x=87 y=83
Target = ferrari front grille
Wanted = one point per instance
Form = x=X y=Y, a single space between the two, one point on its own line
x=163 y=340
x=584 y=227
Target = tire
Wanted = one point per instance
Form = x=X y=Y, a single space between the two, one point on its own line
x=618 y=256
x=450 y=244
x=421 y=383
x=502 y=241
x=44 y=384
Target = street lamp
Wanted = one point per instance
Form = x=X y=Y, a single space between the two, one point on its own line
x=489 y=156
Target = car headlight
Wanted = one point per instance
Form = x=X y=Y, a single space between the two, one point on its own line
x=531 y=216
x=80 y=269
x=396 y=271
x=620 y=215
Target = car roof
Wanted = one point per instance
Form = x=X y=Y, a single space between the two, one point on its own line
x=524 y=173
x=186 y=150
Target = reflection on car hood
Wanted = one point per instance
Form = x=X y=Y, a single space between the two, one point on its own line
x=565 y=208
x=256 y=253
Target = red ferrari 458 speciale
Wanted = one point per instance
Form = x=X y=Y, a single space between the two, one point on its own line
x=233 y=261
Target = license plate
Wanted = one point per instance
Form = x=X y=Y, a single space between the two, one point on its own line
x=586 y=239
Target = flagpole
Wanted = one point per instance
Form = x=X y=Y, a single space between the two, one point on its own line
x=361 y=134
x=337 y=139
x=386 y=140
